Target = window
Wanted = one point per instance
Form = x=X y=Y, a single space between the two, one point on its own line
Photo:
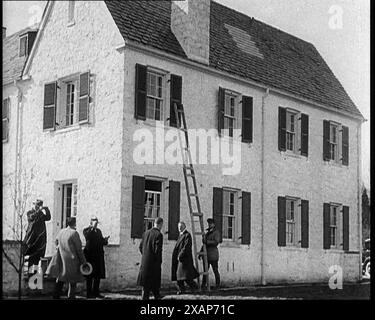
x=293 y=131
x=334 y=226
x=69 y=196
x=230 y=213
x=291 y=124
x=230 y=113
x=5 y=119
x=333 y=143
x=68 y=108
x=23 y=46
x=292 y=222
x=71 y=9
x=155 y=96
x=152 y=202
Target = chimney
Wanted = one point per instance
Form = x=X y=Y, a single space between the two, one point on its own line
x=4 y=32
x=190 y=23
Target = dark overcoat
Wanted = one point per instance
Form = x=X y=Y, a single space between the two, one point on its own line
x=182 y=259
x=212 y=239
x=151 y=248
x=36 y=237
x=94 y=251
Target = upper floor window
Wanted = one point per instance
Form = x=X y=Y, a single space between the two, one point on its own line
x=293 y=131
x=71 y=9
x=235 y=113
x=335 y=142
x=155 y=96
x=23 y=45
x=67 y=101
x=5 y=119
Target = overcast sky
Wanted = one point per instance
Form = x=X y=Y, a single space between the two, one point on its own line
x=343 y=42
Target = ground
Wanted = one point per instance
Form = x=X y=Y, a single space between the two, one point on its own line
x=352 y=291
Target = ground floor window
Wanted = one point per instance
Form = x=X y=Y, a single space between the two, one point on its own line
x=69 y=202
x=153 y=198
x=230 y=213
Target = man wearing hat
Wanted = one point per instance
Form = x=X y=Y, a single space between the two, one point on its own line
x=212 y=239
x=94 y=253
x=36 y=237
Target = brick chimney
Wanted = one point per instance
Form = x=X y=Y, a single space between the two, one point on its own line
x=4 y=32
x=190 y=23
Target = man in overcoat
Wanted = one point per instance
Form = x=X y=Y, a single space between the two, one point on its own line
x=183 y=269
x=70 y=257
x=212 y=238
x=151 y=248
x=94 y=254
x=36 y=237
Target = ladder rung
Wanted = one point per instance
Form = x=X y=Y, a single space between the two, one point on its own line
x=201 y=253
x=190 y=175
x=190 y=167
x=180 y=110
x=204 y=273
x=198 y=214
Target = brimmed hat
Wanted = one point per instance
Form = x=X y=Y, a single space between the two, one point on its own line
x=210 y=220
x=86 y=268
x=94 y=218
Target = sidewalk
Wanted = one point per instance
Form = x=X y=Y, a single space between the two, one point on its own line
x=350 y=291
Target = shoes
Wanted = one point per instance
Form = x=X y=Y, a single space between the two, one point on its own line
x=180 y=292
x=90 y=296
x=99 y=296
x=159 y=297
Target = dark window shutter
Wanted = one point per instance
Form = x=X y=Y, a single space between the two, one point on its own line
x=246 y=218
x=176 y=97
x=23 y=46
x=138 y=207
x=304 y=135
x=5 y=122
x=217 y=209
x=326 y=138
x=345 y=146
x=304 y=224
x=281 y=211
x=282 y=129
x=140 y=91
x=247 y=119
x=84 y=97
x=220 y=111
x=345 y=238
x=326 y=223
x=173 y=210
x=49 y=109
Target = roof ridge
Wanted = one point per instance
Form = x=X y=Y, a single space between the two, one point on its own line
x=34 y=27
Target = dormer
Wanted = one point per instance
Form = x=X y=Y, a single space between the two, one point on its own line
x=26 y=41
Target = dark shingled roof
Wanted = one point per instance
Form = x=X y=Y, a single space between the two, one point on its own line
x=289 y=63
x=13 y=64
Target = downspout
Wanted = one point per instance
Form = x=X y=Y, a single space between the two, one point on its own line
x=17 y=167
x=262 y=258
x=359 y=206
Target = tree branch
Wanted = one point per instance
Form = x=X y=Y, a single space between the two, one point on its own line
x=10 y=261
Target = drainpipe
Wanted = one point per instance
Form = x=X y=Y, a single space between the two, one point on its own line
x=17 y=159
x=359 y=207
x=262 y=259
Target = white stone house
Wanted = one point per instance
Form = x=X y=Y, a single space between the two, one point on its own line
x=101 y=71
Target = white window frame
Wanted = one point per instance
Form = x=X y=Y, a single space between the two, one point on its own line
x=338 y=226
x=148 y=220
x=62 y=102
x=23 y=54
x=163 y=99
x=297 y=239
x=73 y=201
x=237 y=114
x=296 y=133
x=236 y=219
x=338 y=143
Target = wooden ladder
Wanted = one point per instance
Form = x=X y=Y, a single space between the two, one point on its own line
x=195 y=212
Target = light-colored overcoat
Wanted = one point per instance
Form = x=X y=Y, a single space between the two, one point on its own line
x=65 y=265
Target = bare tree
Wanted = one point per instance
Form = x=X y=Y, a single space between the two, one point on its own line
x=21 y=193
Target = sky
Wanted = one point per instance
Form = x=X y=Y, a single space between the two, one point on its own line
x=339 y=29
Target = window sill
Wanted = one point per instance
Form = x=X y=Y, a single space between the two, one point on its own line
x=296 y=249
x=291 y=154
x=333 y=251
x=64 y=130
x=71 y=23
x=335 y=164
